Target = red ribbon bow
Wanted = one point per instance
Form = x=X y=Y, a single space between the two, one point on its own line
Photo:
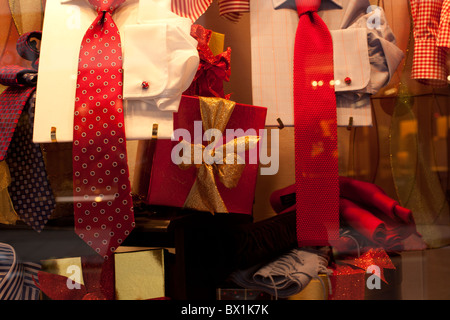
x=212 y=69
x=374 y=257
x=348 y=278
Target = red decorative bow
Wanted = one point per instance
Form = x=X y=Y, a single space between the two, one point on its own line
x=374 y=257
x=98 y=278
x=212 y=69
x=348 y=278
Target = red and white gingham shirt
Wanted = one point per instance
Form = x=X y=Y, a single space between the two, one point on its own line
x=193 y=9
x=431 y=20
x=443 y=39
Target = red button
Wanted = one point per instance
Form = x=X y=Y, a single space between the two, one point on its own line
x=145 y=85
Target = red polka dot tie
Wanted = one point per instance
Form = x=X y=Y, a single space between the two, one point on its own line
x=316 y=153
x=102 y=199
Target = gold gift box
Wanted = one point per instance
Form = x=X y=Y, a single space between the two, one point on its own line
x=315 y=290
x=63 y=267
x=139 y=273
x=216 y=43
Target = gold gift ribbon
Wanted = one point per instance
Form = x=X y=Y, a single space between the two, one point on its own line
x=27 y=14
x=204 y=194
x=7 y=213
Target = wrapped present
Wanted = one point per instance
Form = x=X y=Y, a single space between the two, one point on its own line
x=216 y=43
x=214 y=67
x=139 y=273
x=208 y=176
x=373 y=257
x=77 y=278
x=315 y=290
x=64 y=267
x=131 y=274
x=355 y=277
x=347 y=283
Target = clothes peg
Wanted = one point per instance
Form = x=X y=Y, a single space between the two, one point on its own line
x=281 y=124
x=350 y=124
x=155 y=131
x=53 y=134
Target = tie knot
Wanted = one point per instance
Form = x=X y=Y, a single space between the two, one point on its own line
x=307 y=5
x=106 y=5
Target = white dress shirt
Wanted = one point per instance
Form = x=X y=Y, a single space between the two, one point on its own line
x=157 y=48
x=364 y=52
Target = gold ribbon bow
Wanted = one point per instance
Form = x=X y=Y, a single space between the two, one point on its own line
x=223 y=161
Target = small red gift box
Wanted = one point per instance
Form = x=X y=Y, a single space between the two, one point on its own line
x=198 y=185
x=347 y=283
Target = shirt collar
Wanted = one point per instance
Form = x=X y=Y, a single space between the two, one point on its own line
x=278 y=4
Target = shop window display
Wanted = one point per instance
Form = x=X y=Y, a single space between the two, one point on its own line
x=239 y=150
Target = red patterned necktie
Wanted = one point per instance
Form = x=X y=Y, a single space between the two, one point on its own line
x=316 y=153
x=102 y=199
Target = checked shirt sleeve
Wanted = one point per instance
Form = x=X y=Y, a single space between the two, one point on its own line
x=443 y=39
x=429 y=62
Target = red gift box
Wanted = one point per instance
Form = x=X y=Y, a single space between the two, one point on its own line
x=351 y=277
x=347 y=283
x=170 y=184
x=213 y=69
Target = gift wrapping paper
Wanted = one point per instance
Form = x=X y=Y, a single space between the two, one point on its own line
x=171 y=185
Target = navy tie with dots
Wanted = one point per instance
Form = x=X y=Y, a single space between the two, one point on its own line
x=30 y=190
